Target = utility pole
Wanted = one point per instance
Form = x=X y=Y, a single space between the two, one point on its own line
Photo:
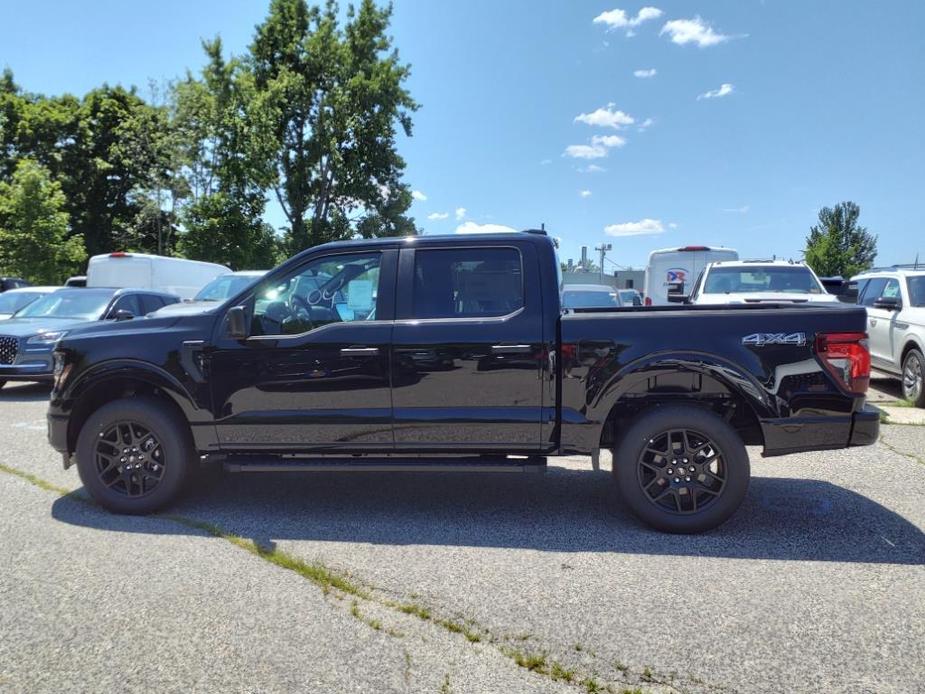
x=603 y=248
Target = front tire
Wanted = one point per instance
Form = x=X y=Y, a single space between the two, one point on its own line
x=681 y=469
x=913 y=378
x=135 y=455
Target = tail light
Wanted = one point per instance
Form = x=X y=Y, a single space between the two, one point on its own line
x=847 y=357
x=648 y=301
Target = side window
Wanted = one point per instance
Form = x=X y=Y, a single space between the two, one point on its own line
x=150 y=303
x=872 y=291
x=331 y=289
x=129 y=302
x=891 y=290
x=467 y=282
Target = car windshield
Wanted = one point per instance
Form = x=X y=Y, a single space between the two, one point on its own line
x=225 y=287
x=11 y=302
x=589 y=298
x=86 y=304
x=745 y=279
x=917 y=291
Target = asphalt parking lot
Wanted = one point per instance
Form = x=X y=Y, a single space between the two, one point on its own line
x=454 y=583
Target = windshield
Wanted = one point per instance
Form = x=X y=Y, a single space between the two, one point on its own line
x=744 y=279
x=79 y=303
x=225 y=287
x=588 y=298
x=11 y=302
x=917 y=290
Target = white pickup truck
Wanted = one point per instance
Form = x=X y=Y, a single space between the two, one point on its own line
x=747 y=282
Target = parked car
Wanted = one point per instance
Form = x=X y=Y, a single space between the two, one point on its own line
x=298 y=376
x=895 y=301
x=630 y=297
x=590 y=296
x=678 y=268
x=13 y=300
x=27 y=339
x=76 y=281
x=143 y=271
x=225 y=286
x=768 y=281
x=7 y=283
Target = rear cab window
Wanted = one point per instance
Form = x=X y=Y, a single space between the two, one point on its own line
x=467 y=282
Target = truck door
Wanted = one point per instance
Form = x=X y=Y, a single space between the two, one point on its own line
x=467 y=349
x=314 y=373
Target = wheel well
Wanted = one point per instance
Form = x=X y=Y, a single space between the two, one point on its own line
x=909 y=346
x=106 y=391
x=717 y=398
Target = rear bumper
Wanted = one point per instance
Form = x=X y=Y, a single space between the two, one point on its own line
x=797 y=434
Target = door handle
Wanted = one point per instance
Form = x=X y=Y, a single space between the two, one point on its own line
x=359 y=351
x=511 y=349
x=873 y=321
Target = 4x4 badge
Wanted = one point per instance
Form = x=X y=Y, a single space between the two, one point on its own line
x=764 y=339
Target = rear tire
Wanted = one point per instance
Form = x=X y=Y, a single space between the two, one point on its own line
x=913 y=378
x=135 y=455
x=681 y=469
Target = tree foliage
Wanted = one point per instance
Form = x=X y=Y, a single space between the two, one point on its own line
x=838 y=245
x=336 y=98
x=34 y=239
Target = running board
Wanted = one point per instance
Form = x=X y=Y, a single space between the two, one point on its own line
x=472 y=464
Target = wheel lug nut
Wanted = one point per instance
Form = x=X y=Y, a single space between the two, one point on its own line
x=691 y=468
x=687 y=479
x=670 y=471
x=676 y=479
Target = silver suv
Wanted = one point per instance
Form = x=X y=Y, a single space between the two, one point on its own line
x=895 y=302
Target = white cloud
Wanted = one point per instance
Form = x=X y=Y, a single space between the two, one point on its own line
x=584 y=193
x=608 y=141
x=725 y=89
x=618 y=19
x=605 y=117
x=592 y=168
x=473 y=228
x=646 y=124
x=672 y=225
x=643 y=74
x=585 y=151
x=434 y=216
x=737 y=210
x=418 y=195
x=696 y=30
x=643 y=227
x=546 y=162
x=460 y=213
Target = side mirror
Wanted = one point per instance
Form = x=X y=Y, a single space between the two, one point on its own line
x=123 y=314
x=237 y=323
x=888 y=303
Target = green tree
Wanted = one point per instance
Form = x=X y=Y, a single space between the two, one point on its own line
x=336 y=99
x=838 y=245
x=34 y=239
x=227 y=152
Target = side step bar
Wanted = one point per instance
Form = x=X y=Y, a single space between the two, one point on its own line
x=240 y=463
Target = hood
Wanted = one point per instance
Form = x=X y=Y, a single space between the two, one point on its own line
x=25 y=327
x=766 y=298
x=186 y=308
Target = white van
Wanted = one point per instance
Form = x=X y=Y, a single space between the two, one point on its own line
x=143 y=271
x=679 y=266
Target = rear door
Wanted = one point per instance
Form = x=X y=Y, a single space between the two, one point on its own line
x=879 y=320
x=468 y=350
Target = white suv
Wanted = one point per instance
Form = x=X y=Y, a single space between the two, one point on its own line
x=757 y=281
x=895 y=302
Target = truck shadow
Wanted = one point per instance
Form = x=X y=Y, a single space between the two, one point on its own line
x=25 y=392
x=561 y=511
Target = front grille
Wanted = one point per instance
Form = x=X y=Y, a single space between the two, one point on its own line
x=8 y=348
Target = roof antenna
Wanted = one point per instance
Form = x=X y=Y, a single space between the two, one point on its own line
x=916 y=261
x=543 y=228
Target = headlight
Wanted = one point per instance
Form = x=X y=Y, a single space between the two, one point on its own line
x=48 y=338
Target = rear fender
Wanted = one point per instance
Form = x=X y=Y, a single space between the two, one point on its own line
x=668 y=377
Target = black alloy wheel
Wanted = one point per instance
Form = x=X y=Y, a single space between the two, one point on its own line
x=681 y=471
x=129 y=459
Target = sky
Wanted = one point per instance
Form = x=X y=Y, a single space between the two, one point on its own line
x=640 y=125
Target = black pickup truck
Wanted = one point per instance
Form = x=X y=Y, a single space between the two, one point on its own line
x=453 y=353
